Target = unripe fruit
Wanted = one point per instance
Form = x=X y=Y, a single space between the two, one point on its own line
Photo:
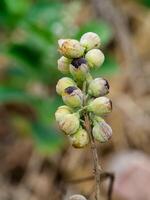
x=63 y=64
x=79 y=139
x=79 y=69
x=100 y=106
x=70 y=48
x=73 y=97
x=77 y=197
x=70 y=123
x=102 y=132
x=95 y=58
x=61 y=111
x=63 y=83
x=90 y=41
x=98 y=87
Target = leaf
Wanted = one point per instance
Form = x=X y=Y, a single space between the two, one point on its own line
x=99 y=27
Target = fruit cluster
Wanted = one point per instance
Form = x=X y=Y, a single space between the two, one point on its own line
x=82 y=94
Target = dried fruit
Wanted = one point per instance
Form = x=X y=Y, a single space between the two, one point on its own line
x=73 y=97
x=100 y=106
x=98 y=87
x=95 y=58
x=63 y=83
x=101 y=131
x=70 y=123
x=63 y=64
x=79 y=139
x=70 y=48
x=61 y=111
x=79 y=69
x=90 y=41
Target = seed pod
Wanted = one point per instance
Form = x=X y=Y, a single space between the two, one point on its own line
x=69 y=124
x=98 y=87
x=73 y=97
x=95 y=58
x=61 y=111
x=63 y=64
x=63 y=83
x=70 y=48
x=79 y=69
x=102 y=132
x=100 y=106
x=90 y=41
x=77 y=197
x=79 y=139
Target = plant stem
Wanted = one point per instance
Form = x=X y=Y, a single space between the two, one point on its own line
x=97 y=168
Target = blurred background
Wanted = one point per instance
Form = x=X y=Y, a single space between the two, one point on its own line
x=36 y=161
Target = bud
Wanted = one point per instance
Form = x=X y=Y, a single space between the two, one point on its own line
x=98 y=87
x=73 y=97
x=70 y=123
x=90 y=41
x=79 y=139
x=77 y=197
x=61 y=111
x=79 y=69
x=95 y=58
x=100 y=106
x=63 y=83
x=102 y=132
x=63 y=64
x=70 y=48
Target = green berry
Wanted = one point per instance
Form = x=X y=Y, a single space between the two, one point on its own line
x=70 y=123
x=102 y=132
x=100 y=106
x=90 y=41
x=73 y=97
x=70 y=48
x=79 y=139
x=63 y=64
x=95 y=58
x=63 y=83
x=98 y=87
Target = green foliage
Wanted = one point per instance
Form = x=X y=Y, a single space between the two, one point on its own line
x=28 y=42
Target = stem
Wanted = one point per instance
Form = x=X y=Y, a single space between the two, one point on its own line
x=97 y=168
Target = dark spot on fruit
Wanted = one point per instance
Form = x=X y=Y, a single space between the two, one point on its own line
x=107 y=84
x=78 y=61
x=70 y=89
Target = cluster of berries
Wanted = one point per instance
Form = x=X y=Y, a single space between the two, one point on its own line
x=78 y=58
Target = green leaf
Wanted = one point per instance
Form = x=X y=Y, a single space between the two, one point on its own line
x=99 y=27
